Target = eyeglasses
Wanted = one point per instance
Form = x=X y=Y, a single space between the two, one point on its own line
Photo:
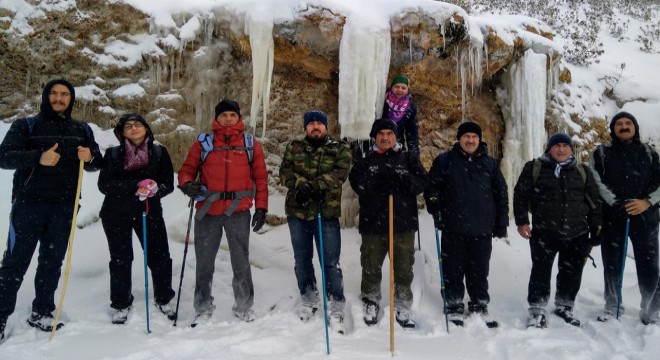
x=130 y=125
x=61 y=94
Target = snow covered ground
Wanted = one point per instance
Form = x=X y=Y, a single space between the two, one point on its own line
x=278 y=334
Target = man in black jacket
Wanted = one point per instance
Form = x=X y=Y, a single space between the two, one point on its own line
x=45 y=151
x=386 y=171
x=628 y=176
x=469 y=201
x=563 y=199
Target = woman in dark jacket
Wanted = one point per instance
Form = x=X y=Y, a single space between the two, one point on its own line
x=137 y=174
x=399 y=108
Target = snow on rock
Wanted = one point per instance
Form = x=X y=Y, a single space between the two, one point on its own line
x=91 y=92
x=122 y=54
x=129 y=91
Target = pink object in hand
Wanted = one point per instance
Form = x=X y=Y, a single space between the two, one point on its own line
x=146 y=188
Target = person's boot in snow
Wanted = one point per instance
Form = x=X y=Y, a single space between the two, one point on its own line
x=120 y=316
x=404 y=319
x=43 y=322
x=203 y=317
x=245 y=315
x=537 y=321
x=167 y=309
x=566 y=313
x=370 y=310
x=482 y=312
x=3 y=324
x=336 y=320
x=305 y=310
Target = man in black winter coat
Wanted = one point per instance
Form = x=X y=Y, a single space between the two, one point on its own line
x=45 y=151
x=628 y=176
x=386 y=171
x=563 y=199
x=469 y=202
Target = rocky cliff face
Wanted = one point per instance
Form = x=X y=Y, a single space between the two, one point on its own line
x=174 y=73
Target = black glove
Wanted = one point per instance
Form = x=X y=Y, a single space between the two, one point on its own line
x=437 y=221
x=258 y=219
x=192 y=188
x=595 y=235
x=319 y=196
x=303 y=193
x=499 y=232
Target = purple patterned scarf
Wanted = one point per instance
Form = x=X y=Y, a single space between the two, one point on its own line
x=137 y=156
x=398 y=106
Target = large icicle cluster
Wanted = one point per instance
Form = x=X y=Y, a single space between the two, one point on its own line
x=263 y=47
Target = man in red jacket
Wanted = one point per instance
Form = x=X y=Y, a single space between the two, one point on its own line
x=232 y=176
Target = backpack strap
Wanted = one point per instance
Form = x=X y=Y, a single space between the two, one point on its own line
x=206 y=139
x=536 y=170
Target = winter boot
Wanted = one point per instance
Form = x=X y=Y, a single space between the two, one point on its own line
x=482 y=311
x=167 y=309
x=245 y=315
x=404 y=318
x=537 y=321
x=43 y=322
x=3 y=324
x=120 y=316
x=336 y=321
x=566 y=313
x=370 y=310
x=306 y=310
x=203 y=317
x=456 y=318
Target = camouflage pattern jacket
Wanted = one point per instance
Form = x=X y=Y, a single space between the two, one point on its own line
x=325 y=167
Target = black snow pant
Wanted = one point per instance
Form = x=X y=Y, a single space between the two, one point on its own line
x=34 y=222
x=643 y=234
x=120 y=243
x=573 y=253
x=466 y=257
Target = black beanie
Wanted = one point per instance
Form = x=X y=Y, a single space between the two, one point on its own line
x=315 y=115
x=468 y=127
x=621 y=115
x=381 y=124
x=227 y=105
x=559 y=138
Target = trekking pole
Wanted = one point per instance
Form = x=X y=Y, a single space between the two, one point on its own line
x=183 y=265
x=325 y=302
x=442 y=278
x=623 y=265
x=419 y=236
x=146 y=272
x=69 y=251
x=392 y=274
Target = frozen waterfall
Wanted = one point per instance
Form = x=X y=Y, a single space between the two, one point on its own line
x=261 y=42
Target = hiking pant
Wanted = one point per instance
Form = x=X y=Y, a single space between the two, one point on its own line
x=643 y=235
x=208 y=233
x=120 y=243
x=304 y=234
x=373 y=250
x=466 y=257
x=572 y=257
x=35 y=222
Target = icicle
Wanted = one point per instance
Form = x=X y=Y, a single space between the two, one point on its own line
x=262 y=44
x=364 y=61
x=523 y=108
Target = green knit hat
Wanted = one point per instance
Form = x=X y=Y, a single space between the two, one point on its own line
x=400 y=80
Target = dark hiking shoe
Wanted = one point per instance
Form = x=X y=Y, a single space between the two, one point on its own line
x=404 y=319
x=482 y=312
x=167 y=310
x=566 y=313
x=455 y=317
x=120 y=316
x=537 y=321
x=370 y=310
x=43 y=322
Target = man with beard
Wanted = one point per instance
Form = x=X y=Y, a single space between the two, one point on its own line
x=45 y=151
x=313 y=170
x=628 y=175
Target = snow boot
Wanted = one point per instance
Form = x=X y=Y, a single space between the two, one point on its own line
x=455 y=318
x=43 y=322
x=167 y=310
x=305 y=310
x=482 y=312
x=245 y=315
x=336 y=321
x=203 y=317
x=370 y=310
x=403 y=317
x=3 y=324
x=566 y=313
x=120 y=316
x=537 y=321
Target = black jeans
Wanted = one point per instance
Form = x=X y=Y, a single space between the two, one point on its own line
x=466 y=257
x=572 y=257
x=120 y=244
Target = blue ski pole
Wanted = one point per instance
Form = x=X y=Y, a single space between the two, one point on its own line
x=325 y=301
x=442 y=278
x=623 y=265
x=146 y=272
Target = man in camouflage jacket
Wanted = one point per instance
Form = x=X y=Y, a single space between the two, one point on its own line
x=314 y=169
